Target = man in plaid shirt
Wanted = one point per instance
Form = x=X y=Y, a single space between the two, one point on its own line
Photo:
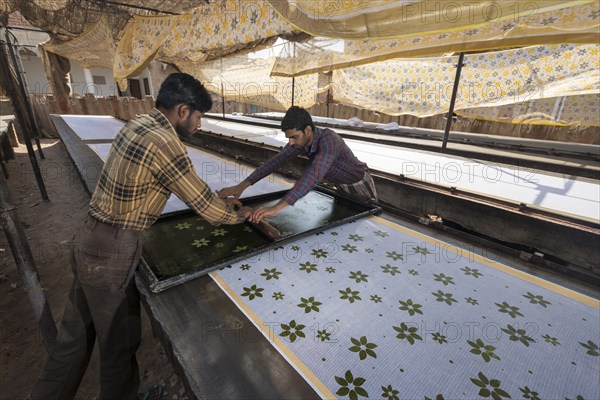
x=147 y=162
x=331 y=161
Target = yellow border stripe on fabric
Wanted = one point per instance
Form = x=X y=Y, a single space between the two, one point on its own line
x=501 y=267
x=291 y=357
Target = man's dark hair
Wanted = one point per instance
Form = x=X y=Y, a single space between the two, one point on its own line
x=297 y=118
x=180 y=88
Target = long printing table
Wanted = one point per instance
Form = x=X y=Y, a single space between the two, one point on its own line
x=370 y=309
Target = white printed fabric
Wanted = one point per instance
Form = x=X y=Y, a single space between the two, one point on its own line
x=373 y=310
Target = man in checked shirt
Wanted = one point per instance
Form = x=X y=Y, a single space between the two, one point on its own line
x=147 y=162
x=331 y=161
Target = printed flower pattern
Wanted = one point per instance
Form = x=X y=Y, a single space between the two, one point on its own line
x=321 y=297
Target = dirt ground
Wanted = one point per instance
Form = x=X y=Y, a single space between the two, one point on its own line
x=49 y=226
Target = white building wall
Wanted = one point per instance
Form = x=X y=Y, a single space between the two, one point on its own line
x=35 y=75
x=80 y=86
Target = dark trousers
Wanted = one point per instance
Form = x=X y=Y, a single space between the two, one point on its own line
x=103 y=304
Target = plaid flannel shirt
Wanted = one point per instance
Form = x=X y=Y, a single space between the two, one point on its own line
x=146 y=163
x=331 y=161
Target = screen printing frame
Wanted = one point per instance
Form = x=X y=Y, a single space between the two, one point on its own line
x=157 y=285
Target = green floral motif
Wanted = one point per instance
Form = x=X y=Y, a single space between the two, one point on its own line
x=533 y=299
x=309 y=304
x=442 y=297
x=480 y=348
x=473 y=272
x=295 y=248
x=252 y=292
x=319 y=253
x=489 y=387
x=363 y=347
x=529 y=394
x=323 y=335
x=308 y=267
x=271 y=274
x=349 y=248
x=358 y=276
x=219 y=245
x=552 y=340
x=381 y=233
x=350 y=295
x=508 y=309
x=438 y=397
x=351 y=386
x=369 y=250
x=471 y=301
x=438 y=337
x=292 y=331
x=389 y=393
x=375 y=298
x=446 y=280
x=200 y=243
x=200 y=228
x=410 y=334
x=413 y=272
x=394 y=255
x=334 y=233
x=356 y=238
x=389 y=269
x=183 y=225
x=411 y=307
x=592 y=348
x=245 y=267
x=518 y=335
x=248 y=229
x=219 y=232
x=278 y=296
x=331 y=270
x=240 y=249
x=421 y=250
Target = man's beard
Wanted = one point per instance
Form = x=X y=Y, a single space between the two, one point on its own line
x=183 y=129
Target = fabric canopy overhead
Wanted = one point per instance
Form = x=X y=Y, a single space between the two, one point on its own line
x=220 y=28
x=247 y=80
x=70 y=21
x=379 y=19
x=581 y=110
x=423 y=87
x=575 y=24
x=95 y=48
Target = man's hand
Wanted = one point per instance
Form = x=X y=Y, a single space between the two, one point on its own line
x=232 y=204
x=264 y=212
x=245 y=211
x=233 y=191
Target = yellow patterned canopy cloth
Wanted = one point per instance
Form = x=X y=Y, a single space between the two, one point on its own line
x=188 y=37
x=574 y=24
x=423 y=87
x=94 y=48
x=581 y=110
x=247 y=80
x=378 y=19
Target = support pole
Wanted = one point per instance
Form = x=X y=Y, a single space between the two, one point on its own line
x=19 y=105
x=26 y=266
x=293 y=89
x=223 y=100
x=461 y=57
x=18 y=65
x=293 y=77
